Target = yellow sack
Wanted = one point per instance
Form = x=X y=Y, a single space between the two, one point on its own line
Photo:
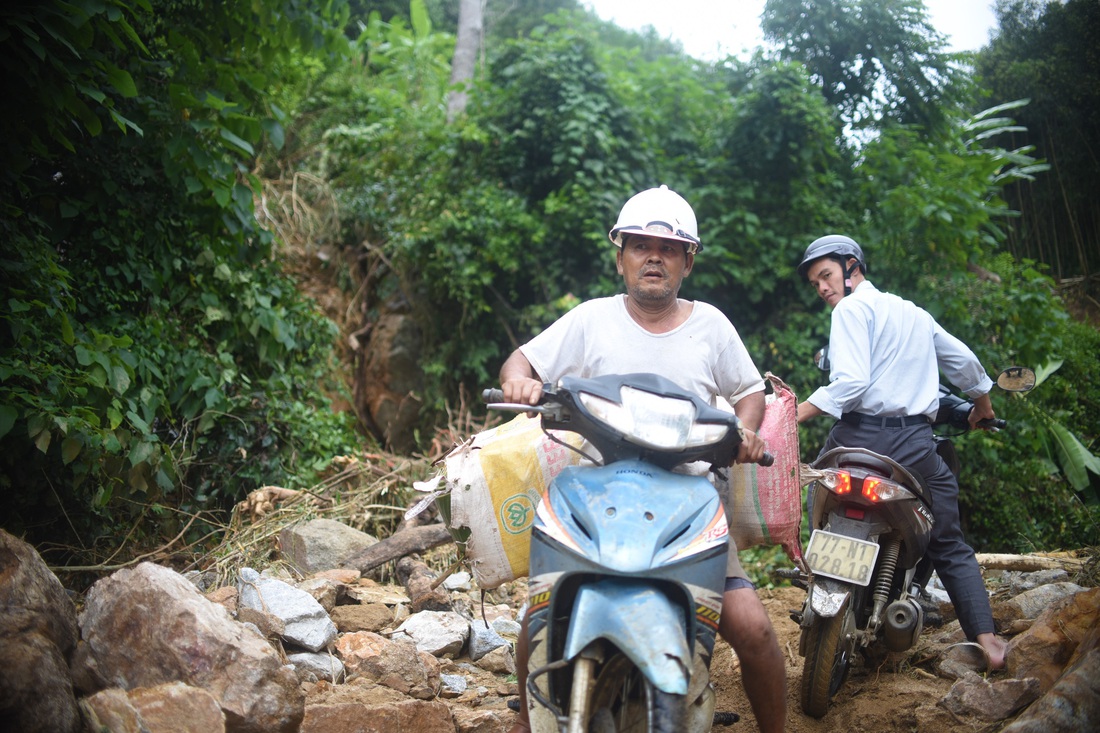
x=494 y=481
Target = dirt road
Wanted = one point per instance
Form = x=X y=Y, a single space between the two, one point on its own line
x=870 y=701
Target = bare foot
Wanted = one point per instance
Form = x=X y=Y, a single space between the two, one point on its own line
x=995 y=649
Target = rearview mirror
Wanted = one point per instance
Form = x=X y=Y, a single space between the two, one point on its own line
x=821 y=358
x=1016 y=379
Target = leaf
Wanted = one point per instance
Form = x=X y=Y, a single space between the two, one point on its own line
x=140 y=453
x=1045 y=370
x=122 y=81
x=8 y=414
x=120 y=379
x=42 y=440
x=275 y=133
x=70 y=449
x=1076 y=459
x=237 y=142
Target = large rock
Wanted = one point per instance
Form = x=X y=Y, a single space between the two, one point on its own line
x=395 y=663
x=361 y=707
x=1073 y=704
x=1031 y=603
x=321 y=544
x=998 y=700
x=38 y=633
x=1044 y=650
x=169 y=708
x=147 y=626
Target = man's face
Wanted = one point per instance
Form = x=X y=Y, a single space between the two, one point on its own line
x=653 y=267
x=827 y=277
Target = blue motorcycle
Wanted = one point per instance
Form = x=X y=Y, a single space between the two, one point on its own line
x=628 y=559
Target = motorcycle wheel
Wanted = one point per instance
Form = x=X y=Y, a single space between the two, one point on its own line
x=828 y=654
x=624 y=701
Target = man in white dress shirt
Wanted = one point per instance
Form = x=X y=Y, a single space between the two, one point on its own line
x=886 y=355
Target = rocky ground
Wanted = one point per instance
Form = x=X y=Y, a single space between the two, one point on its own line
x=148 y=649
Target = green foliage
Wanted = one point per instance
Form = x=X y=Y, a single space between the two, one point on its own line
x=936 y=200
x=879 y=62
x=153 y=353
x=1046 y=52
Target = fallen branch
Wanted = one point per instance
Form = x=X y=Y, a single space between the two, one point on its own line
x=1030 y=563
x=411 y=541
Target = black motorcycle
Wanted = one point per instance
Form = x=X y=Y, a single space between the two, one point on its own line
x=871 y=520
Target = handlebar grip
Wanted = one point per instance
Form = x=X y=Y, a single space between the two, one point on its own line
x=492 y=395
x=766 y=460
x=996 y=423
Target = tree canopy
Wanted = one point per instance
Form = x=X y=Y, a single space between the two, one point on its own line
x=158 y=355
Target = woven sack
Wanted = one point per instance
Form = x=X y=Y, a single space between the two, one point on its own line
x=764 y=505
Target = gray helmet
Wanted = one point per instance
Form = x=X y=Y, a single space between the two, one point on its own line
x=836 y=246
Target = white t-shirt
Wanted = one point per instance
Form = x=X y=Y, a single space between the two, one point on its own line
x=703 y=355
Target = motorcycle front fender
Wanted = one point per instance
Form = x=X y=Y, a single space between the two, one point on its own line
x=827 y=596
x=644 y=623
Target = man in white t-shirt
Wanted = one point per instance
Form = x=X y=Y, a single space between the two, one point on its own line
x=651 y=329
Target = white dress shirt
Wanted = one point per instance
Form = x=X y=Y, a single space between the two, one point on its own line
x=886 y=354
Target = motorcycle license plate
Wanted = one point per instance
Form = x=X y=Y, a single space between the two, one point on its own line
x=840 y=557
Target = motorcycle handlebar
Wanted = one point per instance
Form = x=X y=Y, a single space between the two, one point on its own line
x=996 y=423
x=492 y=395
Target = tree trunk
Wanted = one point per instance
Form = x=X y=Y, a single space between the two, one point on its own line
x=467 y=46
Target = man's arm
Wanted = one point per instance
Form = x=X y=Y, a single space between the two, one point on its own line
x=750 y=411
x=518 y=380
x=806 y=410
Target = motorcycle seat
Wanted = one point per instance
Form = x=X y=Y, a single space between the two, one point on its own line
x=863 y=460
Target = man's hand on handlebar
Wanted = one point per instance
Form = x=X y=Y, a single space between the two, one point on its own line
x=752 y=447
x=522 y=391
x=983 y=410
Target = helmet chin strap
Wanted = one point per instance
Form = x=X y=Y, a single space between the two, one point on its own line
x=847 y=273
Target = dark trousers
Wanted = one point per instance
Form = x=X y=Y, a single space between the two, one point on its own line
x=952 y=557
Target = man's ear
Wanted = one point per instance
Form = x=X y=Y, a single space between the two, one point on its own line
x=688 y=264
x=619 y=260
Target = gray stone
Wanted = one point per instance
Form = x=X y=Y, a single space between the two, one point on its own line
x=453 y=685
x=483 y=640
x=305 y=621
x=440 y=633
x=323 y=665
x=321 y=544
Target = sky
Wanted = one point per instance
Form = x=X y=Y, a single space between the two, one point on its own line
x=711 y=29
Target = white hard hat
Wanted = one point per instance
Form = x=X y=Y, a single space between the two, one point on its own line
x=658 y=212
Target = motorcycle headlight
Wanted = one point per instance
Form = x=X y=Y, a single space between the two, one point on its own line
x=652 y=420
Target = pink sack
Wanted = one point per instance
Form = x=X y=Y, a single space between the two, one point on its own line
x=764 y=505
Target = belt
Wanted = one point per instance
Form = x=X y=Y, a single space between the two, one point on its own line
x=857 y=418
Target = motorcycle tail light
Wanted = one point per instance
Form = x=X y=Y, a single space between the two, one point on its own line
x=838 y=482
x=877 y=489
